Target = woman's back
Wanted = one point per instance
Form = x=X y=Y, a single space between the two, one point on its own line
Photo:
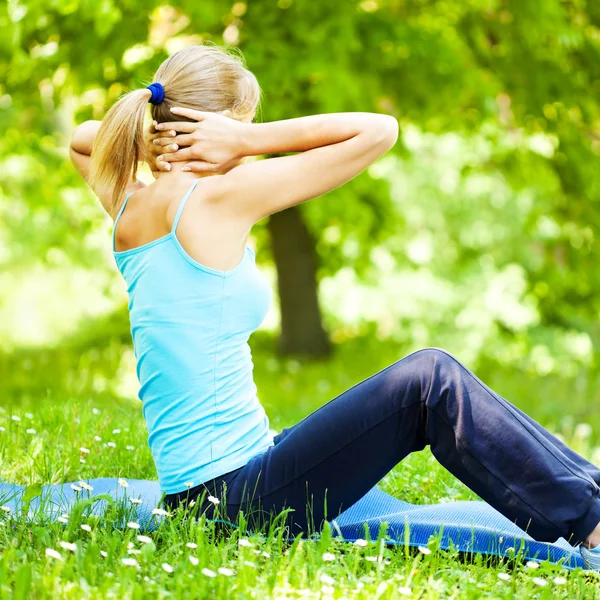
x=190 y=325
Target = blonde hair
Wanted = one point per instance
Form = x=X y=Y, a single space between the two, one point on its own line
x=204 y=77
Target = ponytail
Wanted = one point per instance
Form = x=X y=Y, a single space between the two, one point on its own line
x=119 y=146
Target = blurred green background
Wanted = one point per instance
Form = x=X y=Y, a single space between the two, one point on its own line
x=477 y=233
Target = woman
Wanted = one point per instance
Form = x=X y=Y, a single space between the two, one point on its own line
x=195 y=296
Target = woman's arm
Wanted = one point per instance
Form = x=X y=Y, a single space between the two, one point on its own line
x=333 y=148
x=315 y=131
x=82 y=143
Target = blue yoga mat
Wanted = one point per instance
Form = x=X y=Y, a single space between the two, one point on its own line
x=468 y=526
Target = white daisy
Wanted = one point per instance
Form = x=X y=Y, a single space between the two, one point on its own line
x=130 y=562
x=144 y=539
x=68 y=546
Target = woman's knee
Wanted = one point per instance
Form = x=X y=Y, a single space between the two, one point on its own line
x=430 y=365
x=433 y=358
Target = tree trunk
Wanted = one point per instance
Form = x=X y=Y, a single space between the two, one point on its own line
x=295 y=256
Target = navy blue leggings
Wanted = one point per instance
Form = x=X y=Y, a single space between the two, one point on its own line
x=329 y=460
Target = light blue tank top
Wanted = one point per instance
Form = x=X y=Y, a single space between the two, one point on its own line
x=190 y=326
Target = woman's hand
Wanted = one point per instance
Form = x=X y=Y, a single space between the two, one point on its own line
x=213 y=144
x=156 y=142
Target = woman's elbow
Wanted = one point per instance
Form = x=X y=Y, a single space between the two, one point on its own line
x=390 y=131
x=83 y=137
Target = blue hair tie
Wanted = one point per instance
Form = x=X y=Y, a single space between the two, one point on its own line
x=158 y=93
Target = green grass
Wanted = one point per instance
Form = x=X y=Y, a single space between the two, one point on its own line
x=216 y=565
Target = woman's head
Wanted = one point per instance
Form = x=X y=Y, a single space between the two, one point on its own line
x=205 y=78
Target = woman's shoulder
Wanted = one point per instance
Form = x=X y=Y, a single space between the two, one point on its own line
x=192 y=191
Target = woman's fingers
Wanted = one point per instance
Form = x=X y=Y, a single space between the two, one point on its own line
x=182 y=140
x=167 y=141
x=159 y=135
x=190 y=113
x=200 y=167
x=161 y=165
x=185 y=139
x=181 y=126
x=183 y=154
x=160 y=145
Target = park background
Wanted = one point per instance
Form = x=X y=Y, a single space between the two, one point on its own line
x=477 y=232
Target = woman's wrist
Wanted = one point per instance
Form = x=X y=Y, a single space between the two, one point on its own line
x=248 y=144
x=262 y=138
x=84 y=136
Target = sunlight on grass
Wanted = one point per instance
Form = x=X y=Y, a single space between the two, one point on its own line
x=74 y=439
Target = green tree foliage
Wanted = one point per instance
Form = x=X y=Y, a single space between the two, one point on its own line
x=516 y=81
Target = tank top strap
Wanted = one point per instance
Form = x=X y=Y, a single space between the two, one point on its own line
x=182 y=205
x=117 y=219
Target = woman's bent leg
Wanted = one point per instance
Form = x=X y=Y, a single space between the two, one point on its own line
x=334 y=456
x=592 y=470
